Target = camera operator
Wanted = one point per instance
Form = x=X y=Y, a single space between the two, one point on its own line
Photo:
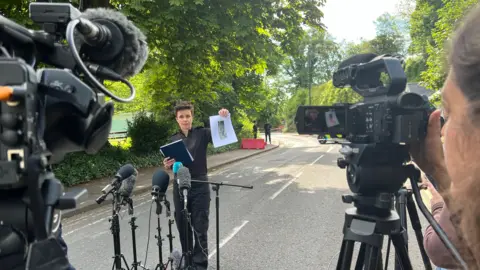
x=196 y=140
x=454 y=167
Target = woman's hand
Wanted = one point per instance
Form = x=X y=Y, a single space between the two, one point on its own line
x=435 y=196
x=223 y=112
x=428 y=155
x=168 y=162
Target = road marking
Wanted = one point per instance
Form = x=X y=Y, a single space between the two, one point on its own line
x=285 y=186
x=229 y=237
x=104 y=218
x=330 y=149
x=315 y=161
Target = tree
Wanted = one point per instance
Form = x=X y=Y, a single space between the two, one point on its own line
x=315 y=61
x=422 y=23
x=392 y=35
x=352 y=48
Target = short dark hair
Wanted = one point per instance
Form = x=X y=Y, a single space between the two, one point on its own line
x=183 y=105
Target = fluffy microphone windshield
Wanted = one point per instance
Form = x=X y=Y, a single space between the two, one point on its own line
x=184 y=178
x=135 y=53
x=128 y=184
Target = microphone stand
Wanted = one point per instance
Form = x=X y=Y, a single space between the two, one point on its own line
x=188 y=253
x=216 y=188
x=115 y=228
x=158 y=211
x=171 y=220
x=133 y=226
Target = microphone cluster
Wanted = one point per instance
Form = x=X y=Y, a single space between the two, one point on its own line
x=121 y=188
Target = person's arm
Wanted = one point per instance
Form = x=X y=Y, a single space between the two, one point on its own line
x=436 y=250
x=208 y=135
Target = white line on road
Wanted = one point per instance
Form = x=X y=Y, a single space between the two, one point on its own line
x=330 y=149
x=315 y=161
x=229 y=237
x=285 y=186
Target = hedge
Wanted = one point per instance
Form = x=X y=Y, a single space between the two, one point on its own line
x=78 y=168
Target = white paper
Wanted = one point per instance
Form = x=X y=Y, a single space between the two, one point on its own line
x=331 y=119
x=222 y=131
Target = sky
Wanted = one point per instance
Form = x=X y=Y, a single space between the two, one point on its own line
x=351 y=20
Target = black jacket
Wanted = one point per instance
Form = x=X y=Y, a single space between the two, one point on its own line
x=197 y=141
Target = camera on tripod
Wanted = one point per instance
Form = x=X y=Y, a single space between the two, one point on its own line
x=378 y=132
x=45 y=114
x=379 y=128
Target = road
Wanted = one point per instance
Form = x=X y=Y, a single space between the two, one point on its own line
x=291 y=219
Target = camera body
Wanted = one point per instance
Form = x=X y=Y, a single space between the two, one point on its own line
x=387 y=114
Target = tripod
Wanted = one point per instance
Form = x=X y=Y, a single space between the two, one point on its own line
x=216 y=188
x=375 y=174
x=404 y=201
x=158 y=211
x=369 y=229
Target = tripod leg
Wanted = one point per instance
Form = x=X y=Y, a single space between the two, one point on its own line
x=373 y=258
x=125 y=261
x=361 y=257
x=401 y=207
x=401 y=251
x=345 y=257
x=417 y=228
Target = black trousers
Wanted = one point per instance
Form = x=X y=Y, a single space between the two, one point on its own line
x=198 y=205
x=269 y=136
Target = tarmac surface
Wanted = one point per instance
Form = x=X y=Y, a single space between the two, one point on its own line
x=291 y=219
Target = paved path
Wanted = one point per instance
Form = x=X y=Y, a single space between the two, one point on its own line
x=291 y=219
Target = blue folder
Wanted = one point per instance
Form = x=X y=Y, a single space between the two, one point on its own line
x=178 y=151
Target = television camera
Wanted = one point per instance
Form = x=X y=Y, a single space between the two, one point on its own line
x=379 y=130
x=53 y=103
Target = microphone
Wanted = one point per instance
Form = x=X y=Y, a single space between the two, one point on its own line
x=126 y=188
x=184 y=182
x=160 y=181
x=124 y=172
x=113 y=41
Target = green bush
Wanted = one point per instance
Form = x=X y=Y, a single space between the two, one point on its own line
x=78 y=168
x=148 y=133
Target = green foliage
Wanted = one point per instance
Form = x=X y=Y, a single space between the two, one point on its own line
x=392 y=35
x=148 y=132
x=422 y=23
x=414 y=67
x=317 y=57
x=448 y=17
x=78 y=168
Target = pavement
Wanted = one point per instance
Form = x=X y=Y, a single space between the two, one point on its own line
x=144 y=178
x=291 y=219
